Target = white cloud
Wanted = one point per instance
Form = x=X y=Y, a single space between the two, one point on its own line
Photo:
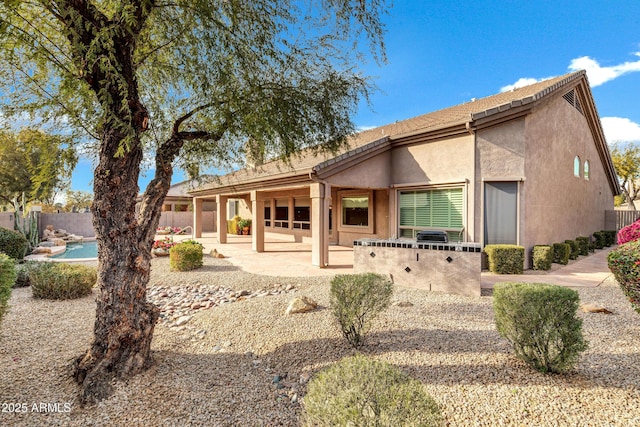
x=523 y=81
x=620 y=129
x=598 y=74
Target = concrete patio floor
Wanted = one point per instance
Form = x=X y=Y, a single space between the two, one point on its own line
x=292 y=259
x=281 y=257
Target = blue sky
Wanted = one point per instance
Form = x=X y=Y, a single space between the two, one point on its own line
x=443 y=53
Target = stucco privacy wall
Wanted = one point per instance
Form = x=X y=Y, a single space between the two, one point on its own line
x=436 y=163
x=184 y=219
x=441 y=268
x=81 y=223
x=6 y=220
x=558 y=205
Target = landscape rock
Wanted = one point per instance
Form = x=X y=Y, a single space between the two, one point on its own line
x=214 y=253
x=301 y=304
x=592 y=308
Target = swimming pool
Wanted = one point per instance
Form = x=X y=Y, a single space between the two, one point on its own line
x=80 y=250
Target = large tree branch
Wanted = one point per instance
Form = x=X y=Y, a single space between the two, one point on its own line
x=166 y=154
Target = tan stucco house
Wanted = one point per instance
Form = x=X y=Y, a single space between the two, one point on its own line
x=530 y=166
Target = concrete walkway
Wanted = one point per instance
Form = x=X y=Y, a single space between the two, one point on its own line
x=585 y=272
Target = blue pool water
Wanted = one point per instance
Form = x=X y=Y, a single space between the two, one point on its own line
x=79 y=250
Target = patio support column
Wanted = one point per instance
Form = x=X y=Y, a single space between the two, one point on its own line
x=221 y=217
x=320 y=201
x=257 y=222
x=197 y=217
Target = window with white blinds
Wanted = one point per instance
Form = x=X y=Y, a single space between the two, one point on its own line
x=431 y=209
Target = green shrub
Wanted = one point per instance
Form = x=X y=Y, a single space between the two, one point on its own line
x=22 y=280
x=13 y=243
x=540 y=322
x=356 y=299
x=7 y=279
x=185 y=256
x=600 y=239
x=561 y=253
x=583 y=245
x=505 y=259
x=52 y=280
x=574 y=250
x=624 y=263
x=609 y=237
x=542 y=256
x=358 y=391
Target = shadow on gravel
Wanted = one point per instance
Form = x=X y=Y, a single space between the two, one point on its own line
x=451 y=357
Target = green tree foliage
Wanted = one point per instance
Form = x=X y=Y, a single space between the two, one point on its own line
x=34 y=163
x=181 y=82
x=626 y=160
x=77 y=201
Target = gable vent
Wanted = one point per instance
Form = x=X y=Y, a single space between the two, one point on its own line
x=572 y=98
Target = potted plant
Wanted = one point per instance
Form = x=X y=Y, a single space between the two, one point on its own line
x=245 y=225
x=161 y=247
x=235 y=224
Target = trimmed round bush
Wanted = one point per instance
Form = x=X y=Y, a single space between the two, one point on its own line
x=542 y=256
x=505 y=259
x=600 y=239
x=583 y=245
x=22 y=270
x=13 y=243
x=609 y=237
x=358 y=391
x=624 y=263
x=540 y=322
x=60 y=281
x=185 y=256
x=574 y=249
x=561 y=253
x=356 y=299
x=7 y=279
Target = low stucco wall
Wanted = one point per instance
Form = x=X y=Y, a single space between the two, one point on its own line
x=6 y=220
x=452 y=268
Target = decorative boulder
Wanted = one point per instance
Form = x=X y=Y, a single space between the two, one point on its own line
x=301 y=304
x=214 y=253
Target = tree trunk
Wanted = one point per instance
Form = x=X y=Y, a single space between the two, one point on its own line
x=124 y=319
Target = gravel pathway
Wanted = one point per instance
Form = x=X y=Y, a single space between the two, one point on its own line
x=242 y=362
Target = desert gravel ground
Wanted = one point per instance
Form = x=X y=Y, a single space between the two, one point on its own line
x=245 y=363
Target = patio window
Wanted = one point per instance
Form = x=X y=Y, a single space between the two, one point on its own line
x=302 y=214
x=233 y=207
x=282 y=214
x=431 y=209
x=356 y=211
x=267 y=214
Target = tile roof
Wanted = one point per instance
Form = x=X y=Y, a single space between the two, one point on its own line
x=458 y=114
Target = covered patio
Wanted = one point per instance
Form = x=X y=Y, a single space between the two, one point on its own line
x=281 y=256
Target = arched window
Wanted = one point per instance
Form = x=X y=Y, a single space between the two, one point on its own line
x=576 y=166
x=585 y=170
